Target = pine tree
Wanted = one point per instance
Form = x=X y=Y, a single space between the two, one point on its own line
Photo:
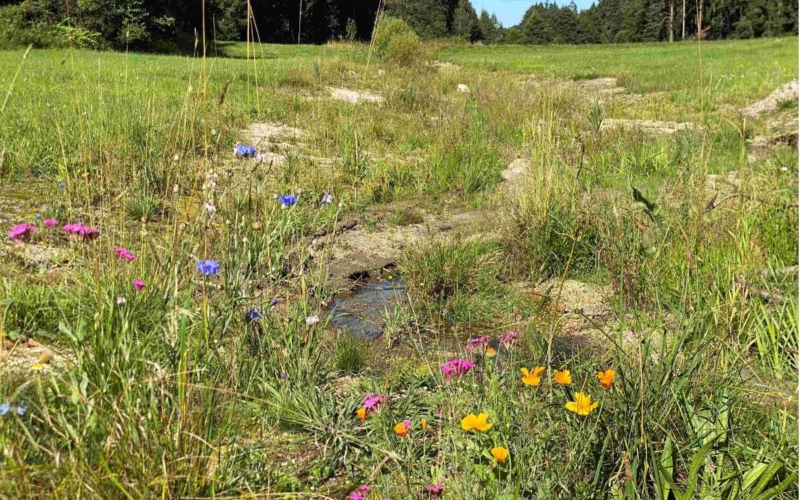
x=465 y=22
x=490 y=27
x=654 y=22
x=536 y=30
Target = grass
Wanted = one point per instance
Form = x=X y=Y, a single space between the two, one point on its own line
x=721 y=72
x=221 y=385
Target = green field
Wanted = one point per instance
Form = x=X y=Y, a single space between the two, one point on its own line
x=665 y=252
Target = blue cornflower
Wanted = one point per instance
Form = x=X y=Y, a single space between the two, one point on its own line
x=287 y=200
x=4 y=408
x=327 y=198
x=246 y=151
x=208 y=267
x=253 y=315
x=61 y=185
x=37 y=217
x=21 y=410
x=274 y=302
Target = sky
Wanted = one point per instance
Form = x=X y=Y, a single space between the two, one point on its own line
x=509 y=12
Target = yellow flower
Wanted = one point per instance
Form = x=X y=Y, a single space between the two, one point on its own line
x=500 y=454
x=476 y=423
x=606 y=378
x=491 y=352
x=401 y=429
x=582 y=405
x=362 y=414
x=37 y=367
x=563 y=378
x=532 y=378
x=424 y=425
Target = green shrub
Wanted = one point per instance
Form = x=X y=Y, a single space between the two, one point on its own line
x=18 y=29
x=389 y=28
x=405 y=49
x=397 y=42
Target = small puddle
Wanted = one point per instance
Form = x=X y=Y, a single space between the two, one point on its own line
x=363 y=311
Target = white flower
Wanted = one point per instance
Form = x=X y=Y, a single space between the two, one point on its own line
x=312 y=320
x=121 y=300
x=209 y=207
x=327 y=198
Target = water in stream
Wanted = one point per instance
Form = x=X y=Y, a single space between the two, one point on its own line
x=362 y=312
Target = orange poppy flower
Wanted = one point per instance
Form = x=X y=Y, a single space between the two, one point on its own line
x=563 y=377
x=532 y=378
x=424 y=425
x=362 y=414
x=401 y=429
x=606 y=378
x=491 y=352
x=476 y=423
x=582 y=405
x=499 y=453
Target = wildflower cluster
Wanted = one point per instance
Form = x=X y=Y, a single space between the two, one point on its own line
x=372 y=403
x=481 y=344
x=457 y=367
x=81 y=230
x=21 y=232
x=124 y=254
x=582 y=405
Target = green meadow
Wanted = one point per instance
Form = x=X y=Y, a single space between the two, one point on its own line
x=603 y=217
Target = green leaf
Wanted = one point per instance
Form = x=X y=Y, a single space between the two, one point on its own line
x=780 y=488
x=766 y=477
x=750 y=477
x=666 y=468
x=694 y=469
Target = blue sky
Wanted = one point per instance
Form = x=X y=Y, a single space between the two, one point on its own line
x=509 y=12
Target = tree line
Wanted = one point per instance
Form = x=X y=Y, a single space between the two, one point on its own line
x=620 y=21
x=607 y=21
x=150 y=24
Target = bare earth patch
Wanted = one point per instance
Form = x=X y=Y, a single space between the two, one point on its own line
x=580 y=309
x=786 y=92
x=357 y=250
x=17 y=358
x=650 y=127
x=445 y=66
x=354 y=96
x=515 y=170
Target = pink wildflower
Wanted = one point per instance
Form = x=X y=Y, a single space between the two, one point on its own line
x=51 y=223
x=138 y=285
x=124 y=254
x=456 y=367
x=435 y=490
x=373 y=402
x=508 y=338
x=21 y=231
x=78 y=229
x=360 y=494
x=478 y=343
